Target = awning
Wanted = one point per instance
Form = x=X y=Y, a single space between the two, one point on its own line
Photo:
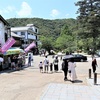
x=14 y=51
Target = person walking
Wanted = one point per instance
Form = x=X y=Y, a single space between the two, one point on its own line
x=94 y=65
x=71 y=69
x=46 y=64
x=65 y=69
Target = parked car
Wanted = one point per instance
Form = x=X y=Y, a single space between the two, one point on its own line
x=76 y=57
x=98 y=53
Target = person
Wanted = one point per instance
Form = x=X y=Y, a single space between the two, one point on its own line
x=1 y=62
x=29 y=60
x=12 y=62
x=46 y=64
x=51 y=69
x=41 y=66
x=71 y=69
x=55 y=62
x=9 y=62
x=94 y=64
x=20 y=62
x=65 y=69
x=15 y=58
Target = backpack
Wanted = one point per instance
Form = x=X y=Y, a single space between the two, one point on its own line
x=47 y=62
x=56 y=61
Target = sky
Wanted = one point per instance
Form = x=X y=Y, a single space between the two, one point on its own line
x=46 y=9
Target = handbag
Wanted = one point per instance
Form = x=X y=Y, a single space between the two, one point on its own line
x=69 y=71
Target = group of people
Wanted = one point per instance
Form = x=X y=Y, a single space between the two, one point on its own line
x=45 y=64
x=16 y=61
x=68 y=66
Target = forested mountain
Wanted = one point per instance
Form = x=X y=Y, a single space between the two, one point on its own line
x=46 y=27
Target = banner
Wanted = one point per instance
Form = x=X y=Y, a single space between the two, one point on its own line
x=8 y=44
x=30 y=46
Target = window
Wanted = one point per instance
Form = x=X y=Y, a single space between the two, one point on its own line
x=22 y=33
x=28 y=33
x=36 y=30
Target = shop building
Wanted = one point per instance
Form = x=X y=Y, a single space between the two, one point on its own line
x=5 y=33
x=28 y=34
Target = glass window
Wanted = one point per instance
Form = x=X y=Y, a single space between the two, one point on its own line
x=22 y=33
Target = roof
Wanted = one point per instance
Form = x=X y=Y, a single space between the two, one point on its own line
x=15 y=35
x=20 y=28
x=4 y=21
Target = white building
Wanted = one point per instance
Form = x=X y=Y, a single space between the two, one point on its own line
x=29 y=33
x=4 y=31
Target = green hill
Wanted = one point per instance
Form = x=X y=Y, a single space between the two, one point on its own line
x=46 y=27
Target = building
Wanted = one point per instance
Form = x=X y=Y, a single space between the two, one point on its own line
x=28 y=34
x=18 y=39
x=5 y=31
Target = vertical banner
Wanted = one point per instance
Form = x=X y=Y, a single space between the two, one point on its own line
x=30 y=46
x=8 y=44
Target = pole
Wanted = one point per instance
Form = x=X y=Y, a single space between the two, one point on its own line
x=95 y=78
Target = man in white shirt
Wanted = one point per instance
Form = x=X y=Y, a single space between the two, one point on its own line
x=46 y=64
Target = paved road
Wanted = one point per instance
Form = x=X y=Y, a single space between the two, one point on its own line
x=29 y=83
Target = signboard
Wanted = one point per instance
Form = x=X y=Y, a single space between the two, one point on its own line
x=8 y=44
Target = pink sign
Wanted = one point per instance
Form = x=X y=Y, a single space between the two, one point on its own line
x=8 y=44
x=30 y=46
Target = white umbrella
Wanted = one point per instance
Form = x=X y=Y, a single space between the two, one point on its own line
x=1 y=59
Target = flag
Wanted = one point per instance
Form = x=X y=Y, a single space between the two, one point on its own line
x=8 y=44
x=30 y=46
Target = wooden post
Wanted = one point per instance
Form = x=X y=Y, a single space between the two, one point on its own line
x=95 y=78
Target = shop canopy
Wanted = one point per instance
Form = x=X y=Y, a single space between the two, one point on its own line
x=14 y=51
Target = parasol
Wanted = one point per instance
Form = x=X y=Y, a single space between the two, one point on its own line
x=14 y=51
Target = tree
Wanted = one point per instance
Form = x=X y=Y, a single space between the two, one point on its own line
x=65 y=40
x=47 y=43
x=89 y=17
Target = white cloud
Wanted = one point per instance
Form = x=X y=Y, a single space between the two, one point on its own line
x=54 y=13
x=25 y=10
x=8 y=9
x=67 y=15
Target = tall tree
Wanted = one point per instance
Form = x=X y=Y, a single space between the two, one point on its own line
x=47 y=43
x=65 y=40
x=89 y=17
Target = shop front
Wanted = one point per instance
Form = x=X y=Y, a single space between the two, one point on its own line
x=10 y=53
